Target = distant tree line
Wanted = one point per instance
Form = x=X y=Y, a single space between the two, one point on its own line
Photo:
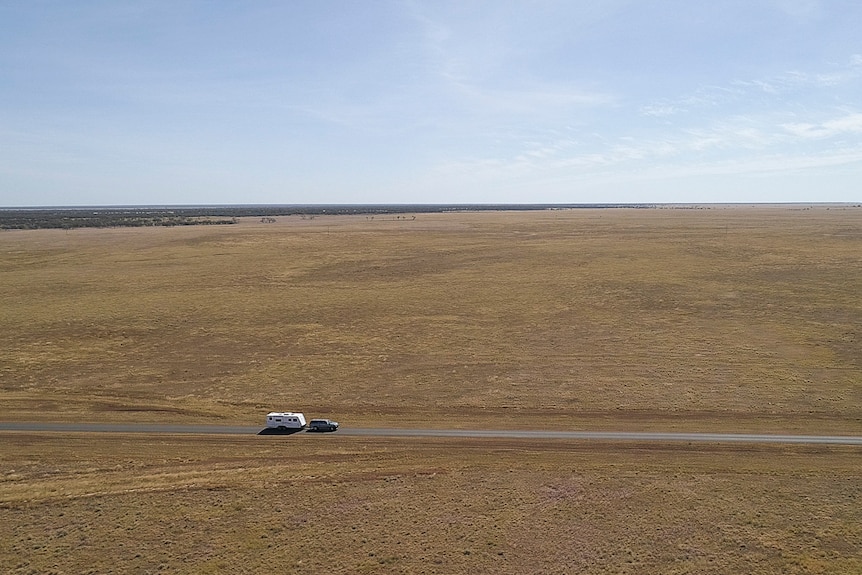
x=31 y=219
x=99 y=217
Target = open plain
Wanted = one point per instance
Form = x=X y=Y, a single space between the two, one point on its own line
x=723 y=319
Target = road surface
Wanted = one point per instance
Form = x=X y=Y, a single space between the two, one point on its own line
x=462 y=433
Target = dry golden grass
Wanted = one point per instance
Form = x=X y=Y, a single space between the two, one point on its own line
x=727 y=319
x=340 y=504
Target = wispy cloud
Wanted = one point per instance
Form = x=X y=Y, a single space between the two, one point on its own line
x=848 y=124
x=473 y=61
x=774 y=88
x=800 y=9
x=741 y=146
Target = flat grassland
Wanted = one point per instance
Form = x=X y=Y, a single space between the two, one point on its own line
x=724 y=319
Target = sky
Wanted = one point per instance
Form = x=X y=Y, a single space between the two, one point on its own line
x=183 y=102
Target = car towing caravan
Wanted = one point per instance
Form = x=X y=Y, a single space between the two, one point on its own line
x=322 y=425
x=284 y=420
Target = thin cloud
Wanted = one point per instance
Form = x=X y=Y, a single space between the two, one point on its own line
x=803 y=10
x=774 y=88
x=738 y=146
x=848 y=124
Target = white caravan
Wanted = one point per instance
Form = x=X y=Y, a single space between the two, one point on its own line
x=285 y=420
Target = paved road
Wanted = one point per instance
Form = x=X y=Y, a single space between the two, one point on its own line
x=468 y=433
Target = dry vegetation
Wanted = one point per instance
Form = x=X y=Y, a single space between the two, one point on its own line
x=734 y=319
x=584 y=318
x=340 y=504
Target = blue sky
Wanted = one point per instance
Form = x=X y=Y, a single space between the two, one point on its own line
x=378 y=101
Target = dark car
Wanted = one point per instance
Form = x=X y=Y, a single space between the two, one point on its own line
x=322 y=425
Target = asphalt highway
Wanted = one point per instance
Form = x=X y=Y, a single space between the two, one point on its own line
x=461 y=433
